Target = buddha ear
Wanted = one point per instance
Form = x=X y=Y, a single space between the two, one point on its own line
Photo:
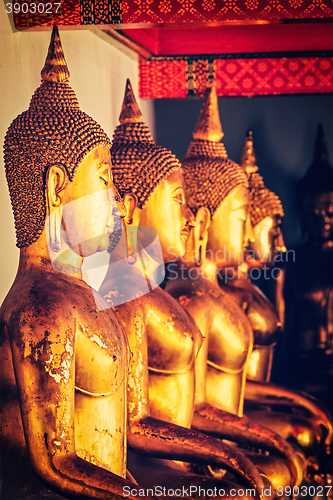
x=201 y=235
x=131 y=203
x=56 y=180
x=203 y=223
x=249 y=232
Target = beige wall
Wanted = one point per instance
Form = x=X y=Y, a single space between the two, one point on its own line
x=99 y=67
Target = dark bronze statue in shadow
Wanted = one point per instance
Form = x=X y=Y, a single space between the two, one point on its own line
x=309 y=283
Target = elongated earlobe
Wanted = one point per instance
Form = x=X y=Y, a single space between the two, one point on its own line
x=201 y=256
x=131 y=202
x=201 y=235
x=55 y=229
x=131 y=241
x=56 y=180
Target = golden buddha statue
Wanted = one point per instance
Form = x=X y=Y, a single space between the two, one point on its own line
x=305 y=422
x=265 y=216
x=218 y=196
x=309 y=282
x=63 y=360
x=163 y=338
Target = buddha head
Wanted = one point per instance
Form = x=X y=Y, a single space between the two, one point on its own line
x=58 y=167
x=150 y=180
x=314 y=195
x=266 y=210
x=216 y=188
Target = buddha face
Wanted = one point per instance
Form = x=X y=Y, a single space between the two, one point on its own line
x=89 y=204
x=318 y=217
x=166 y=212
x=268 y=239
x=229 y=231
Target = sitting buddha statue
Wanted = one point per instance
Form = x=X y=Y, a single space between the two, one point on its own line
x=309 y=283
x=218 y=196
x=293 y=415
x=163 y=338
x=63 y=359
x=268 y=247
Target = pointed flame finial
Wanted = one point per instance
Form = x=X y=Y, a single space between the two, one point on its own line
x=130 y=111
x=55 y=68
x=248 y=160
x=320 y=150
x=209 y=127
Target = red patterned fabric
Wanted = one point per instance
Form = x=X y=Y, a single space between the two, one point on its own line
x=67 y=13
x=186 y=76
x=236 y=77
x=184 y=11
x=168 y=80
x=76 y=12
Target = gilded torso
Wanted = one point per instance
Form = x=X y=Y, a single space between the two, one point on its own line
x=53 y=325
x=259 y=310
x=164 y=341
x=264 y=322
x=227 y=334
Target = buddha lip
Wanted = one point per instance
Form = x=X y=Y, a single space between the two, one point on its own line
x=185 y=233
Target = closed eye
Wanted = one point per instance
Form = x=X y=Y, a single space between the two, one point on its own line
x=104 y=181
x=179 y=200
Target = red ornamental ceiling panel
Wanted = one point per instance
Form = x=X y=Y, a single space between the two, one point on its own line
x=248 y=47
x=117 y=12
x=185 y=11
x=167 y=78
x=236 y=77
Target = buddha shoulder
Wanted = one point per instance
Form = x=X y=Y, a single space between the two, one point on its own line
x=52 y=320
x=220 y=319
x=230 y=336
x=259 y=310
x=172 y=335
x=200 y=300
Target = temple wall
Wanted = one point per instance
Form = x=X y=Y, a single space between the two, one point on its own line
x=99 y=67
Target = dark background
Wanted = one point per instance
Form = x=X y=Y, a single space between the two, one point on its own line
x=284 y=130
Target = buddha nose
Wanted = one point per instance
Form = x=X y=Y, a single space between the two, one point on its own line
x=325 y=216
x=190 y=217
x=279 y=242
x=119 y=202
x=249 y=233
